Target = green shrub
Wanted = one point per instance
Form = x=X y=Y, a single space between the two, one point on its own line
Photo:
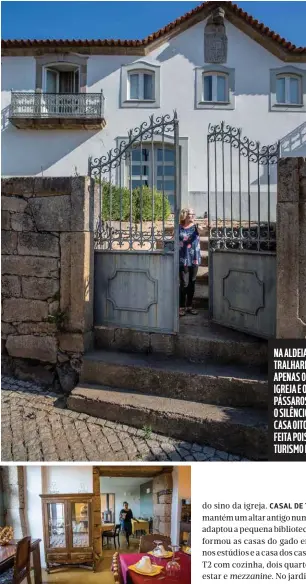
x=147 y=201
x=120 y=197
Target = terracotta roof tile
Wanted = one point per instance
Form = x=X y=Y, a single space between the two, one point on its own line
x=259 y=26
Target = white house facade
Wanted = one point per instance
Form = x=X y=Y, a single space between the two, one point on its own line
x=63 y=102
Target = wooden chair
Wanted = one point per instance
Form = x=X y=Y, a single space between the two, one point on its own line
x=147 y=542
x=114 y=534
x=21 y=569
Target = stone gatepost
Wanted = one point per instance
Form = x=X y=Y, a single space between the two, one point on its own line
x=162 y=503
x=47 y=277
x=291 y=249
x=14 y=503
x=97 y=541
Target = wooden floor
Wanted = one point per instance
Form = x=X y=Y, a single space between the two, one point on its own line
x=103 y=575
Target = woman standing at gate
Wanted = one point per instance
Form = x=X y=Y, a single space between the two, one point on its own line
x=190 y=259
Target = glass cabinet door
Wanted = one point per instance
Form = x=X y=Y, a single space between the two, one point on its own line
x=56 y=525
x=80 y=524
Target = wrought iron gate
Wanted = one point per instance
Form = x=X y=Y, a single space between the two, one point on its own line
x=242 y=180
x=136 y=247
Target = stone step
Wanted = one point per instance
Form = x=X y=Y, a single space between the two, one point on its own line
x=201 y=297
x=203 y=230
x=205 y=382
x=201 y=289
x=204 y=243
x=204 y=257
x=235 y=430
x=203 y=275
x=197 y=341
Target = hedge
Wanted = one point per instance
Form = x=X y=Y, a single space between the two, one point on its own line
x=120 y=197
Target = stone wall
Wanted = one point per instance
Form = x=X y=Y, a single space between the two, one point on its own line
x=162 y=504
x=14 y=501
x=291 y=249
x=47 y=275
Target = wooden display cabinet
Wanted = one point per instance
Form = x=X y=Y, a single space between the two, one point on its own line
x=68 y=529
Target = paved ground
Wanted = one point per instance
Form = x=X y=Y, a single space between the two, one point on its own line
x=36 y=426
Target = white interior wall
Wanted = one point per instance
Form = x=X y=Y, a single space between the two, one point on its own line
x=69 y=479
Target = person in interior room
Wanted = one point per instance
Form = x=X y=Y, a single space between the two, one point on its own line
x=126 y=516
x=190 y=259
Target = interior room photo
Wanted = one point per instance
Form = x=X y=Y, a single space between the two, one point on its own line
x=106 y=524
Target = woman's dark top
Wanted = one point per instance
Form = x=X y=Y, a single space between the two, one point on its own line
x=190 y=251
x=127 y=521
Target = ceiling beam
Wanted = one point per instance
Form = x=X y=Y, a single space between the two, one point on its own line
x=133 y=471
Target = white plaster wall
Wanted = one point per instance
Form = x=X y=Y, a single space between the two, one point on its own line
x=60 y=153
x=181 y=490
x=69 y=479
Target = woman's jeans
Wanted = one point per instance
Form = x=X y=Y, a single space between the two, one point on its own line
x=187 y=284
x=127 y=532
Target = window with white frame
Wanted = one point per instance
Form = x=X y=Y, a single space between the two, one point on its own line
x=61 y=79
x=215 y=87
x=153 y=166
x=288 y=89
x=61 y=86
x=141 y=85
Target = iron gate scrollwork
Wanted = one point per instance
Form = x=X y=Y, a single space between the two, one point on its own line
x=138 y=185
x=136 y=239
x=242 y=191
x=236 y=221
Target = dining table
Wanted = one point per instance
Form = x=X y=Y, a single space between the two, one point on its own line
x=130 y=577
x=140 y=525
x=7 y=556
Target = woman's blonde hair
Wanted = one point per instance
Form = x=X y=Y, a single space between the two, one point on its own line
x=183 y=214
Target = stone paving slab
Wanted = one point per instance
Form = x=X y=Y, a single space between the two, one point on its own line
x=36 y=426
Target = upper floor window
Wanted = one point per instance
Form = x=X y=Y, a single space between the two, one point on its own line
x=215 y=87
x=61 y=73
x=61 y=80
x=140 y=85
x=288 y=89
